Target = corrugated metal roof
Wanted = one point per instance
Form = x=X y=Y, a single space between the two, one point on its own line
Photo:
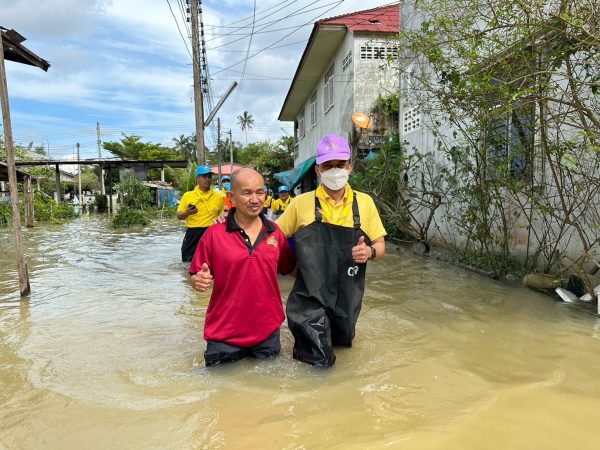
x=384 y=19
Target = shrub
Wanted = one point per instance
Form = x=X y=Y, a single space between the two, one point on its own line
x=101 y=202
x=128 y=217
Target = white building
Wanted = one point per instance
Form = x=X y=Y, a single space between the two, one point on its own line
x=342 y=71
x=550 y=214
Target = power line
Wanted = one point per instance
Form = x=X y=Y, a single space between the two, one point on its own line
x=276 y=42
x=297 y=12
x=179 y=29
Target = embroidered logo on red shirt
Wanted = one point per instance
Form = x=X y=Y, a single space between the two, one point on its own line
x=272 y=241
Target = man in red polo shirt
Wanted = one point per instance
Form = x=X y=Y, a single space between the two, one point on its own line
x=241 y=257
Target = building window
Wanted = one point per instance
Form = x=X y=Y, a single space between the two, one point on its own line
x=328 y=90
x=347 y=61
x=378 y=52
x=509 y=139
x=313 y=109
x=301 y=130
x=411 y=120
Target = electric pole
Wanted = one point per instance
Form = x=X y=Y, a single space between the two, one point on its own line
x=100 y=158
x=219 y=150
x=231 y=150
x=198 y=100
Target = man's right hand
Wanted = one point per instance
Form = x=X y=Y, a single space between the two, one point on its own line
x=191 y=209
x=202 y=280
x=222 y=218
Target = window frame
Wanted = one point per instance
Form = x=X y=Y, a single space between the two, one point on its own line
x=313 y=109
x=328 y=97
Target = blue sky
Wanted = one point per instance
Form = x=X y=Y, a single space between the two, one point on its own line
x=125 y=64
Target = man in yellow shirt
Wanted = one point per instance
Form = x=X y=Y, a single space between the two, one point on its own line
x=199 y=208
x=336 y=230
x=268 y=201
x=280 y=205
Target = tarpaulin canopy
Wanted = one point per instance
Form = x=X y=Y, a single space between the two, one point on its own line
x=293 y=177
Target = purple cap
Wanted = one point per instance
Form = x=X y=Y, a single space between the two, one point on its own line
x=331 y=147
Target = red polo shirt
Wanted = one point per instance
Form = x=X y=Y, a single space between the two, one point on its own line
x=245 y=307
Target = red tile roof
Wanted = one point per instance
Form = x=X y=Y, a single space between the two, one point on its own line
x=226 y=168
x=385 y=19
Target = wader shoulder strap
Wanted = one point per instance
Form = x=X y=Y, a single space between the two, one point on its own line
x=355 y=213
x=318 y=215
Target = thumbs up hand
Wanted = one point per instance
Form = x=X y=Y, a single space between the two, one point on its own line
x=203 y=279
x=361 y=252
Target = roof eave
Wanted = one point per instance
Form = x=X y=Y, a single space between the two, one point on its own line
x=307 y=75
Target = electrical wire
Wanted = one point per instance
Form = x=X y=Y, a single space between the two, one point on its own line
x=339 y=2
x=179 y=29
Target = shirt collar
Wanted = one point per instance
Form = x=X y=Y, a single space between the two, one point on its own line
x=322 y=193
x=202 y=193
x=232 y=225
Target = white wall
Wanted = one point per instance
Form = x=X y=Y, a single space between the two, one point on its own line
x=355 y=89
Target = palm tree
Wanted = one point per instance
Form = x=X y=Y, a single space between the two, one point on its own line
x=245 y=121
x=185 y=146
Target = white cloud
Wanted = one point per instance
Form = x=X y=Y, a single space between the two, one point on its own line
x=123 y=63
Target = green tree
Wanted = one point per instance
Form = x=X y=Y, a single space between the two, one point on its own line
x=132 y=147
x=267 y=158
x=245 y=121
x=186 y=146
x=89 y=179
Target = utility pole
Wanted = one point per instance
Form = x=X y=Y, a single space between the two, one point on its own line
x=231 y=150
x=79 y=174
x=100 y=158
x=198 y=100
x=24 y=286
x=219 y=150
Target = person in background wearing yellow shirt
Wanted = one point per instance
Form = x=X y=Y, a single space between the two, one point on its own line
x=280 y=205
x=268 y=201
x=199 y=208
x=336 y=230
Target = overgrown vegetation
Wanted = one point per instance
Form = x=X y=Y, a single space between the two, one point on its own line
x=128 y=217
x=508 y=93
x=136 y=201
x=45 y=210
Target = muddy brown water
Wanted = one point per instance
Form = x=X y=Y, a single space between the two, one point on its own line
x=106 y=353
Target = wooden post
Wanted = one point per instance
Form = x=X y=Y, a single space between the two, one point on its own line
x=24 y=286
x=110 y=205
x=81 y=203
x=57 y=174
x=29 y=203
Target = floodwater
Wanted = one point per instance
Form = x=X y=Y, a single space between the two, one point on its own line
x=106 y=353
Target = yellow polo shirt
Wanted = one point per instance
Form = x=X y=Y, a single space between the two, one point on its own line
x=209 y=204
x=301 y=212
x=280 y=205
x=269 y=201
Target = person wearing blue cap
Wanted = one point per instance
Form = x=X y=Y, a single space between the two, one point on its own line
x=335 y=231
x=229 y=204
x=280 y=205
x=200 y=209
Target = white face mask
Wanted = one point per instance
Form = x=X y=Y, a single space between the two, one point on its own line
x=335 y=178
